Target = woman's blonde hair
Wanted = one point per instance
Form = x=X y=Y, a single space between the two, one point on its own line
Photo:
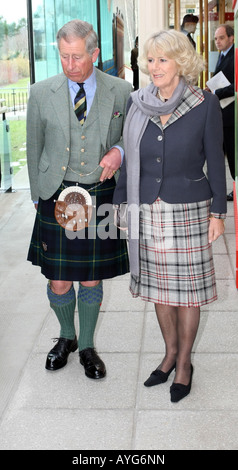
x=174 y=45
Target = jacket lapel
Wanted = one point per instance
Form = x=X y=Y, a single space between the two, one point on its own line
x=105 y=103
x=105 y=107
x=60 y=103
x=227 y=57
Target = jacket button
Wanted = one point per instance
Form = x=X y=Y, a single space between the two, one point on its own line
x=67 y=149
x=159 y=138
x=83 y=137
x=158 y=160
x=158 y=180
x=63 y=168
x=82 y=163
x=82 y=150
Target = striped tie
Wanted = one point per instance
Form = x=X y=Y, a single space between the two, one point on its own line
x=80 y=104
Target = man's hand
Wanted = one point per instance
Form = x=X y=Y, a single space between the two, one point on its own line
x=110 y=163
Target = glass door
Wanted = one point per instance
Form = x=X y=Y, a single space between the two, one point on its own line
x=199 y=19
x=14 y=86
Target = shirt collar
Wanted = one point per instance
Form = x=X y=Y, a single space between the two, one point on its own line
x=89 y=83
x=226 y=52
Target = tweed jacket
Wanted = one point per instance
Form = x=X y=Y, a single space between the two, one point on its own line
x=49 y=133
x=183 y=161
x=227 y=67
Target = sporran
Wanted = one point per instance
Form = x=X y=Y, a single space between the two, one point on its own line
x=73 y=208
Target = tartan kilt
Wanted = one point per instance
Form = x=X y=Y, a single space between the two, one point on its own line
x=176 y=261
x=94 y=253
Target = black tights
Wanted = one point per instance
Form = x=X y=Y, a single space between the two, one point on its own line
x=179 y=326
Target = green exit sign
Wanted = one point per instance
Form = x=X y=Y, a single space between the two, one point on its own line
x=190 y=10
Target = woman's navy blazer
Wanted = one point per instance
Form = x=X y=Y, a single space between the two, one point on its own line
x=184 y=161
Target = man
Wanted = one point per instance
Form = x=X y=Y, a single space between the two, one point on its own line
x=82 y=150
x=224 y=40
x=188 y=27
x=134 y=65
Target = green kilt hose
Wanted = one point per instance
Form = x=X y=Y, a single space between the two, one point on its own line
x=94 y=253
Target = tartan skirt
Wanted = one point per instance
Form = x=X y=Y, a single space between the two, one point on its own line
x=176 y=261
x=95 y=253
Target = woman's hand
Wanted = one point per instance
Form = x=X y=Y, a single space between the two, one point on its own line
x=216 y=228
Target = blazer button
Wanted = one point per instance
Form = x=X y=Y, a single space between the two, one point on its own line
x=158 y=180
x=159 y=138
x=82 y=163
x=158 y=160
x=63 y=168
x=82 y=150
x=67 y=149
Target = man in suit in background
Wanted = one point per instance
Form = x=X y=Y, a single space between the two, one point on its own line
x=134 y=65
x=82 y=150
x=188 y=27
x=224 y=40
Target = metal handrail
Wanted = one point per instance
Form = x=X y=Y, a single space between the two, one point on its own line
x=16 y=98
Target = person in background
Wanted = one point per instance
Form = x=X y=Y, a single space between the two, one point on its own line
x=188 y=27
x=224 y=40
x=134 y=65
x=175 y=211
x=74 y=130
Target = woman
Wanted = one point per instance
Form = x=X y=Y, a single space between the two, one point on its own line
x=172 y=130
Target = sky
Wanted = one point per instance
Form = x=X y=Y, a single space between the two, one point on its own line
x=13 y=10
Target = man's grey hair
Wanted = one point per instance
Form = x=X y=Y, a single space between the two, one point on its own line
x=79 y=29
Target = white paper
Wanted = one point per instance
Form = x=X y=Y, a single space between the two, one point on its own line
x=226 y=101
x=220 y=81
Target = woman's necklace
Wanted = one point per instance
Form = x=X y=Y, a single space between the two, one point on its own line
x=161 y=98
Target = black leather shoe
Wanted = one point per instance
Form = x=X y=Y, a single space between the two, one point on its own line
x=58 y=356
x=229 y=196
x=158 y=377
x=93 y=365
x=179 y=391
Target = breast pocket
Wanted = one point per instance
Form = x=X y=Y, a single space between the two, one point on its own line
x=115 y=131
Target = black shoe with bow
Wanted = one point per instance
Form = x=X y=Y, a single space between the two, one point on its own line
x=179 y=391
x=158 y=377
x=58 y=356
x=93 y=365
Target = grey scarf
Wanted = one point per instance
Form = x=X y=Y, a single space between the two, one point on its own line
x=145 y=105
